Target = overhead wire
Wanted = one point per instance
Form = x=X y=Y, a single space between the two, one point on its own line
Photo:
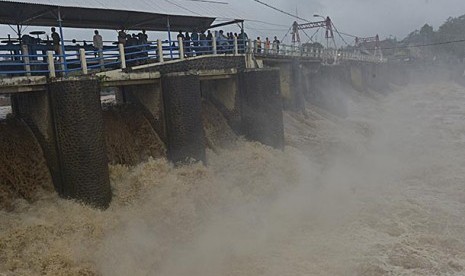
x=337 y=31
x=268 y=23
x=208 y=1
x=286 y=34
x=310 y=38
x=280 y=10
x=314 y=34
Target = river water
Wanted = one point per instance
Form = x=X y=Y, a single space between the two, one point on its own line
x=380 y=192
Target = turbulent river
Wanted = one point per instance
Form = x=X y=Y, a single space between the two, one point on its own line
x=380 y=192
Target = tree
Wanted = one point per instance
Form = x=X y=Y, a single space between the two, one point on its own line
x=427 y=33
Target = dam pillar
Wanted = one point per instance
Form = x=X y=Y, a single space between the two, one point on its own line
x=67 y=121
x=80 y=141
x=184 y=129
x=297 y=87
x=262 y=107
x=357 y=77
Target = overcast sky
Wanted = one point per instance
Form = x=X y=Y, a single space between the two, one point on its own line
x=359 y=17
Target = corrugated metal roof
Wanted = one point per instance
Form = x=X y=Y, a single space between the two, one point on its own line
x=113 y=14
x=202 y=8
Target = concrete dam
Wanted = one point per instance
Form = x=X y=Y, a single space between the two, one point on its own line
x=160 y=111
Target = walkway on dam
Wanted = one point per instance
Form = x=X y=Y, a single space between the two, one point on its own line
x=23 y=72
x=82 y=61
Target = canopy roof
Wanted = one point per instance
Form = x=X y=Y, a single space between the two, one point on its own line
x=185 y=15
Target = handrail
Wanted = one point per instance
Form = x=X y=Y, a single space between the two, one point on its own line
x=28 y=61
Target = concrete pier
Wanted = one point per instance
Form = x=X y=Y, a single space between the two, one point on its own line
x=67 y=121
x=182 y=105
x=262 y=107
x=77 y=116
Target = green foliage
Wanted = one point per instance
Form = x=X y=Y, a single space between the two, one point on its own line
x=453 y=29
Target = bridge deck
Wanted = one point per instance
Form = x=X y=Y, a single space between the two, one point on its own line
x=23 y=72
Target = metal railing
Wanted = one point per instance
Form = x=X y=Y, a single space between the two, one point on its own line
x=26 y=61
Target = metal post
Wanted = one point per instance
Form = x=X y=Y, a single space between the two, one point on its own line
x=236 y=48
x=27 y=65
x=122 y=57
x=249 y=46
x=62 y=60
x=51 y=64
x=169 y=36
x=160 y=51
x=101 y=60
x=181 y=48
x=18 y=28
x=82 y=58
x=214 y=43
x=62 y=42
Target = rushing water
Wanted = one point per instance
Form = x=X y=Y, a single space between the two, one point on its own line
x=378 y=193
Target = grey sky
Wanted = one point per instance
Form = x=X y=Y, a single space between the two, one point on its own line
x=358 y=17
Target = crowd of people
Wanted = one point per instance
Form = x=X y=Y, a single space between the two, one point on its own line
x=199 y=43
x=194 y=43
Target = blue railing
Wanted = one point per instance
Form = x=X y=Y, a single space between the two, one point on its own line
x=37 y=60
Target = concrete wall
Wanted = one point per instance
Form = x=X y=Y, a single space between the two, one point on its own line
x=197 y=64
x=149 y=98
x=35 y=110
x=223 y=94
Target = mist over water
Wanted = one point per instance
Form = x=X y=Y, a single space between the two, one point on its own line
x=377 y=193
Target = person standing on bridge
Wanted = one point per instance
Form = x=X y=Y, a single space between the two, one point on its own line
x=122 y=37
x=203 y=43
x=55 y=41
x=98 y=44
x=143 y=37
x=195 y=42
x=143 y=41
x=276 y=45
x=187 y=44
x=209 y=40
x=259 y=45
x=267 y=45
x=180 y=36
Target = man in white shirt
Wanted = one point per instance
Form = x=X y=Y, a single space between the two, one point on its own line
x=98 y=45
